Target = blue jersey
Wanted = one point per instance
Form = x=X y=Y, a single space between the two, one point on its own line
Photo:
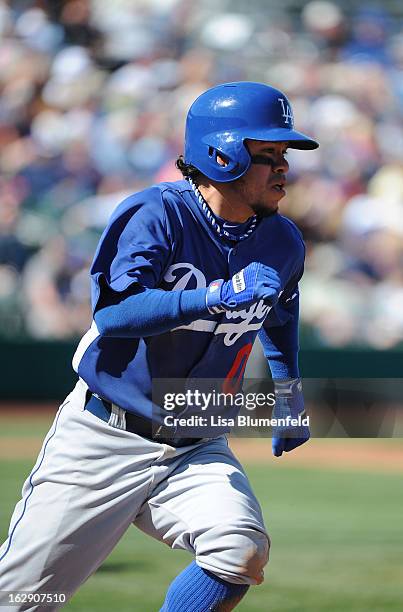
x=161 y=239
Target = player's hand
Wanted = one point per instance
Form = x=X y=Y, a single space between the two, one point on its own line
x=251 y=284
x=289 y=405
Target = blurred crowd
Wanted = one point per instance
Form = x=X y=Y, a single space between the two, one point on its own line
x=93 y=100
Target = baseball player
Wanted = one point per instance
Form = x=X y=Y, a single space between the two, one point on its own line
x=185 y=276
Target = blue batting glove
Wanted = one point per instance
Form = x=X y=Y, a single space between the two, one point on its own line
x=289 y=405
x=251 y=284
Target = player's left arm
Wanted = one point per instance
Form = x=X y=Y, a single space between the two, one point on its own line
x=280 y=346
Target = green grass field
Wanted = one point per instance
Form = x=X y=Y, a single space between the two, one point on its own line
x=337 y=543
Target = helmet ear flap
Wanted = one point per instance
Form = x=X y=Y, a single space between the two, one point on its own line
x=229 y=164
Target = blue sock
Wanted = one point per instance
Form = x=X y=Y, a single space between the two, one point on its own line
x=198 y=590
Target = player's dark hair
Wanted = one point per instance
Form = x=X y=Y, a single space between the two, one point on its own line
x=188 y=171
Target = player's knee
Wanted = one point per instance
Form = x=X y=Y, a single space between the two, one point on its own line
x=250 y=554
x=240 y=557
x=254 y=555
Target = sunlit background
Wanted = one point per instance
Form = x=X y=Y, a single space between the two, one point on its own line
x=93 y=99
x=94 y=96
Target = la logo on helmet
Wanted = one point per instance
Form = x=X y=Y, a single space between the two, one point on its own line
x=287 y=112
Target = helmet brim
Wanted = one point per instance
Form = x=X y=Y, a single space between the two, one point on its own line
x=296 y=140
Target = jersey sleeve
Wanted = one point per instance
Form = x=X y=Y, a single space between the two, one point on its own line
x=279 y=334
x=135 y=248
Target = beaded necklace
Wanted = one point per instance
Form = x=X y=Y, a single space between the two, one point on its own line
x=216 y=223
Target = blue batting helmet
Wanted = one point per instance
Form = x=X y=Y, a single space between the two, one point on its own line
x=221 y=118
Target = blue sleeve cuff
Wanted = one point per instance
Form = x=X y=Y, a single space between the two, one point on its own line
x=213 y=297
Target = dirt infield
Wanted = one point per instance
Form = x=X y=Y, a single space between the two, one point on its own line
x=368 y=455
x=349 y=454
x=374 y=455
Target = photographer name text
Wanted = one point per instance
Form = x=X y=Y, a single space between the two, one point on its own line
x=240 y=421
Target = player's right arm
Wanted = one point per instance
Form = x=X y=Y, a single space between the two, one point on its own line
x=147 y=312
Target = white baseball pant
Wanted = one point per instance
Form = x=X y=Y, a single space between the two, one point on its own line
x=91 y=481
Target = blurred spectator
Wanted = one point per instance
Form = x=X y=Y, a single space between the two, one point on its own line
x=93 y=100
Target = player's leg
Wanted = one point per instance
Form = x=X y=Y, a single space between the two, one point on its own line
x=207 y=507
x=79 y=499
x=196 y=589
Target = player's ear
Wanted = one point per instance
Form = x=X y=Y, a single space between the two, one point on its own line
x=221 y=160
